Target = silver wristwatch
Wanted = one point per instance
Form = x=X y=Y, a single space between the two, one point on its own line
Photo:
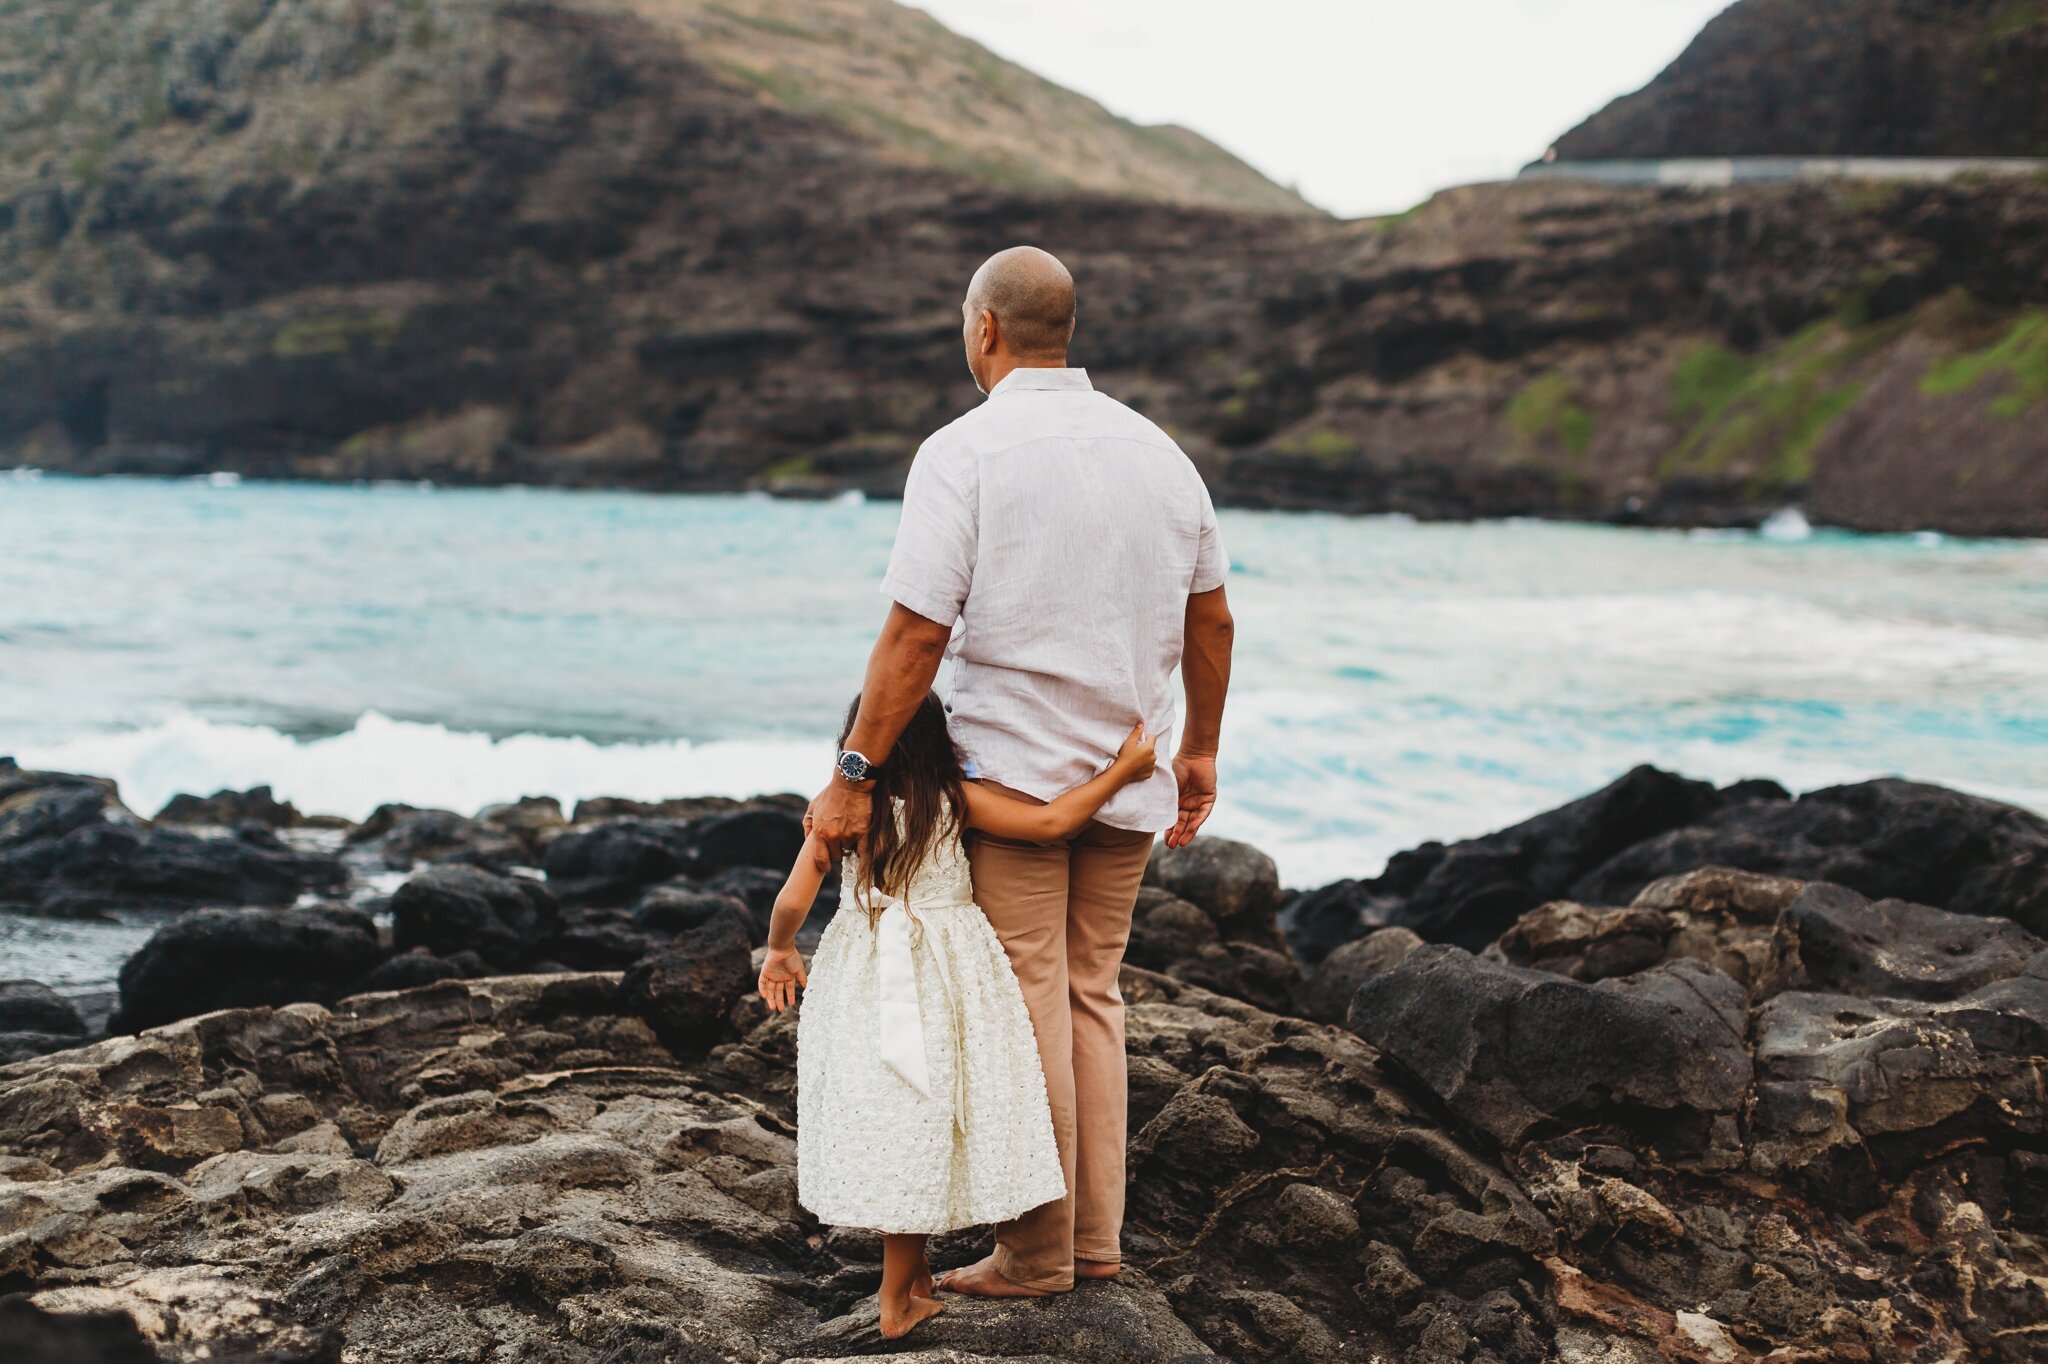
x=855 y=766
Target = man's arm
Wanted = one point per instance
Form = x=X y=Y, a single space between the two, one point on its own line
x=1205 y=671
x=901 y=668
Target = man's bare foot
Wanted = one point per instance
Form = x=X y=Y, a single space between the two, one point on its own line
x=981 y=1280
x=1096 y=1269
x=896 y=1322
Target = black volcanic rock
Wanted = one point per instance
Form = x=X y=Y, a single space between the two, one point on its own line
x=69 y=848
x=1887 y=839
x=1840 y=78
x=455 y=908
x=1832 y=939
x=1508 y=1049
x=229 y=808
x=405 y=970
x=1467 y=893
x=231 y=958
x=31 y=1006
x=1851 y=1092
x=1234 y=883
x=29 y=1335
x=687 y=990
x=768 y=837
x=610 y=862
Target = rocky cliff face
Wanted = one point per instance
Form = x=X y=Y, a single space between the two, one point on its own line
x=1708 y=1116
x=1841 y=78
x=543 y=241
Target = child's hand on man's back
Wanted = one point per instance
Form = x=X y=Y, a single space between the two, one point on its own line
x=1137 y=757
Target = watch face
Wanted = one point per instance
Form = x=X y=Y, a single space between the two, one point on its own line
x=853 y=767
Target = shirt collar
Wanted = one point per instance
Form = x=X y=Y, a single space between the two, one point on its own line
x=1029 y=380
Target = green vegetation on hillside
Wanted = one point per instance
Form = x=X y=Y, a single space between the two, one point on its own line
x=1772 y=407
x=1547 y=409
x=2021 y=355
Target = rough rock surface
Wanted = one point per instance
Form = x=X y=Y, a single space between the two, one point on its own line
x=1326 y=995
x=69 y=848
x=457 y=908
x=1205 y=915
x=1887 y=839
x=222 y=958
x=1468 y=892
x=229 y=808
x=575 y=241
x=513 y=1168
x=1812 y=1128
x=1834 y=939
x=1509 y=1049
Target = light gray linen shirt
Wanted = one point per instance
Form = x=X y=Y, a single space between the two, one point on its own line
x=1060 y=535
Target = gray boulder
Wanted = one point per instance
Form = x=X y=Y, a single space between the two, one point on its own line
x=686 y=991
x=1832 y=939
x=456 y=908
x=1508 y=1048
x=31 y=1006
x=1326 y=995
x=1573 y=940
x=1234 y=883
x=235 y=958
x=1185 y=941
x=1851 y=1092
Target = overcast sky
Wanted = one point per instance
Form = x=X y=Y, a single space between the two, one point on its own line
x=1363 y=105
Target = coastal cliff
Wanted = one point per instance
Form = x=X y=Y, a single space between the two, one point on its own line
x=1840 y=78
x=571 y=241
x=1743 y=1075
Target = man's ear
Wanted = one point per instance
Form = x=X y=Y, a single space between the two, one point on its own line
x=990 y=337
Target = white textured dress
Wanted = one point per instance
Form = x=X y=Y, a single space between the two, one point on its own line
x=920 y=1099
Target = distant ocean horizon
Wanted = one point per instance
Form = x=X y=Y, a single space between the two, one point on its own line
x=1396 y=681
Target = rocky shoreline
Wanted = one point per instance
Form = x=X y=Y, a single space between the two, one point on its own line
x=1670 y=1073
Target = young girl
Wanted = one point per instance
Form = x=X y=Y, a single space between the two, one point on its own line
x=920 y=1101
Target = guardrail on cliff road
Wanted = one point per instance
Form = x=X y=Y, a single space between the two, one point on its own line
x=1712 y=172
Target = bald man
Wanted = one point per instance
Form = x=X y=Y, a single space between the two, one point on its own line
x=1064 y=553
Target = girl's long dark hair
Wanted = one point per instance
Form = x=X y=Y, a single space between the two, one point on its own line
x=922 y=771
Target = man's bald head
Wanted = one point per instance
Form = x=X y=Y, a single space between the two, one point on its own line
x=1031 y=296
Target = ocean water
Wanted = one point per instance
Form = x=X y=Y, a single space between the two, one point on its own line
x=1395 y=681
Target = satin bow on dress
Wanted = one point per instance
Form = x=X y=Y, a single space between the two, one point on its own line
x=900 y=1027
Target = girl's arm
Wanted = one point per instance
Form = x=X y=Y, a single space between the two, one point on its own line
x=1065 y=814
x=783 y=970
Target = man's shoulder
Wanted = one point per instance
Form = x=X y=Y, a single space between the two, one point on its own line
x=992 y=426
x=1125 y=422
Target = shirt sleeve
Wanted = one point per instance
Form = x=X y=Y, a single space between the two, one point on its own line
x=932 y=565
x=1212 y=564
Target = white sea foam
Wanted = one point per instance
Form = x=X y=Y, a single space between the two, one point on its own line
x=380 y=759
x=1786 y=523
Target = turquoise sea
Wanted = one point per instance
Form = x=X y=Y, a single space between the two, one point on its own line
x=1395 y=681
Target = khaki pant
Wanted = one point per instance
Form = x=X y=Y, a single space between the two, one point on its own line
x=1063 y=914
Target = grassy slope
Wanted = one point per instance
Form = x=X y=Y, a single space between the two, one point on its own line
x=932 y=96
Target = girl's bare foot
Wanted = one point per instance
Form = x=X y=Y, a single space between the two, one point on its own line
x=981 y=1280
x=1096 y=1269
x=897 y=1321
x=922 y=1286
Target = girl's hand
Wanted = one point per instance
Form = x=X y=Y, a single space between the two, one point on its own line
x=781 y=974
x=1136 y=759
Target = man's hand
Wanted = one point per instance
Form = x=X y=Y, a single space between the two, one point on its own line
x=839 y=816
x=1196 y=773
